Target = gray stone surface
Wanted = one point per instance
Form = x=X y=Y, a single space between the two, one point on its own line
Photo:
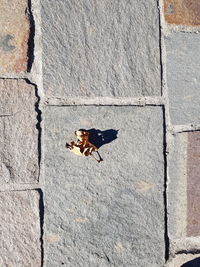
x=18 y=133
x=183 y=80
x=108 y=213
x=177 y=187
x=100 y=48
x=20 y=229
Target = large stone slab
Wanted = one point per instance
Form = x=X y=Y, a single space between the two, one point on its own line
x=20 y=229
x=177 y=187
x=193 y=184
x=14 y=35
x=184 y=186
x=109 y=213
x=18 y=133
x=101 y=48
x=183 y=57
x=182 y=12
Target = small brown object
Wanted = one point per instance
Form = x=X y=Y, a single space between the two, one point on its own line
x=83 y=147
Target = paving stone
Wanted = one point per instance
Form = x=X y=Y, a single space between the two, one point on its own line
x=177 y=187
x=14 y=35
x=193 y=185
x=183 y=57
x=20 y=229
x=184 y=186
x=184 y=12
x=109 y=213
x=101 y=48
x=18 y=133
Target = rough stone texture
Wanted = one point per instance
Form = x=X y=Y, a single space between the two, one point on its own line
x=185 y=260
x=14 y=35
x=18 y=133
x=193 y=184
x=185 y=12
x=184 y=186
x=183 y=80
x=177 y=187
x=109 y=213
x=20 y=229
x=101 y=48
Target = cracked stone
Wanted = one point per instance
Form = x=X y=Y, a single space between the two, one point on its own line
x=20 y=229
x=109 y=213
x=14 y=35
x=18 y=133
x=101 y=48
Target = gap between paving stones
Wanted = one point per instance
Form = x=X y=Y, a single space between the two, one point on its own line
x=168 y=29
x=31 y=43
x=166 y=121
x=159 y=7
x=41 y=212
x=38 y=124
x=20 y=187
x=104 y=101
x=183 y=128
x=189 y=251
x=165 y=186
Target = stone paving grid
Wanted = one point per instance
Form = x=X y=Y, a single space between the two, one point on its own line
x=138 y=78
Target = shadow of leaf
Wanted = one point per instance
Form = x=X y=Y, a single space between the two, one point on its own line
x=192 y=263
x=100 y=138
